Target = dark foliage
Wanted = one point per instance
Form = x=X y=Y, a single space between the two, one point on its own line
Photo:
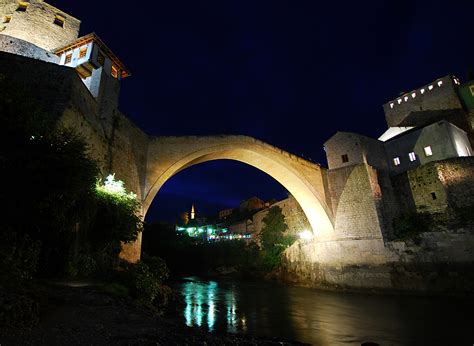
x=273 y=238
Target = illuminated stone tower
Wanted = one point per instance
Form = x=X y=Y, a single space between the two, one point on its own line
x=40 y=31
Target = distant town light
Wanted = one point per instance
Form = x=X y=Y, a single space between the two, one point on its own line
x=306 y=235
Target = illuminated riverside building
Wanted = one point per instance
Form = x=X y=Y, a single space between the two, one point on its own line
x=208 y=232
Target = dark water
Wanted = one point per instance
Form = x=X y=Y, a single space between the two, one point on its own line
x=326 y=318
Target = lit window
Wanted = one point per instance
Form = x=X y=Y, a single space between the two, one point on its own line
x=440 y=83
x=114 y=72
x=82 y=52
x=456 y=81
x=412 y=156
x=399 y=101
x=22 y=6
x=471 y=88
x=391 y=105
x=345 y=158
x=396 y=161
x=7 y=19
x=100 y=58
x=428 y=151
x=430 y=87
x=413 y=95
x=422 y=91
x=406 y=98
x=68 y=58
x=433 y=195
x=59 y=20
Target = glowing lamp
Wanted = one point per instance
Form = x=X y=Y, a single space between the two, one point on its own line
x=306 y=235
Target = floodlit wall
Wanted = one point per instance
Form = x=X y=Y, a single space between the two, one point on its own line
x=346 y=149
x=36 y=24
x=439 y=95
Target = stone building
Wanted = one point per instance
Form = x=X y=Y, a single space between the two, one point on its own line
x=411 y=167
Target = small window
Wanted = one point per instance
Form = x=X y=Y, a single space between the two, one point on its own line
x=345 y=158
x=59 y=21
x=68 y=58
x=396 y=161
x=428 y=151
x=430 y=87
x=22 y=6
x=391 y=105
x=100 y=58
x=412 y=156
x=82 y=52
x=433 y=195
x=7 y=19
x=440 y=83
x=422 y=91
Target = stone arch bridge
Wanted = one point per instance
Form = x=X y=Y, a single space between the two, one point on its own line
x=342 y=206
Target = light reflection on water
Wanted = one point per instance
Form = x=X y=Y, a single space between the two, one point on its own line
x=325 y=318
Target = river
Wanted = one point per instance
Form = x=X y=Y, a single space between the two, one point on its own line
x=323 y=317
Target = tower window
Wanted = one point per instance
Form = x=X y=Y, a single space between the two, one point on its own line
x=100 y=58
x=344 y=158
x=428 y=151
x=412 y=156
x=82 y=52
x=22 y=6
x=433 y=195
x=114 y=72
x=59 y=21
x=7 y=19
x=68 y=58
x=396 y=161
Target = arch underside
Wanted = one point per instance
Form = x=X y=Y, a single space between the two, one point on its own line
x=313 y=205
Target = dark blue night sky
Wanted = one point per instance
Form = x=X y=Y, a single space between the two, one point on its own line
x=291 y=73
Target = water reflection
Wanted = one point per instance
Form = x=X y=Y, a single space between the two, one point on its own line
x=326 y=318
x=206 y=301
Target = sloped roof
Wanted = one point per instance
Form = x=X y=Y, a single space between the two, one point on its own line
x=92 y=37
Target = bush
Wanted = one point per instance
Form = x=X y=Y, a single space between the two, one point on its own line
x=273 y=238
x=410 y=225
x=146 y=285
x=18 y=310
x=19 y=257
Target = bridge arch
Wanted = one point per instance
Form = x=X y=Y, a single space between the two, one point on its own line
x=304 y=180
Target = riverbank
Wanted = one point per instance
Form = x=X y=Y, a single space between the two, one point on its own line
x=85 y=315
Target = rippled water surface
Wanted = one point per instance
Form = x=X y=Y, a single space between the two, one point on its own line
x=326 y=318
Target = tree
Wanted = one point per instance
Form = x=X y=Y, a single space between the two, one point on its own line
x=273 y=238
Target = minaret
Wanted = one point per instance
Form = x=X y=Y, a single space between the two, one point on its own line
x=192 y=212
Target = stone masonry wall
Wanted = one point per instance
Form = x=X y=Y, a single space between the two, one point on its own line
x=118 y=148
x=16 y=46
x=442 y=97
x=355 y=192
x=36 y=24
x=449 y=180
x=295 y=218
